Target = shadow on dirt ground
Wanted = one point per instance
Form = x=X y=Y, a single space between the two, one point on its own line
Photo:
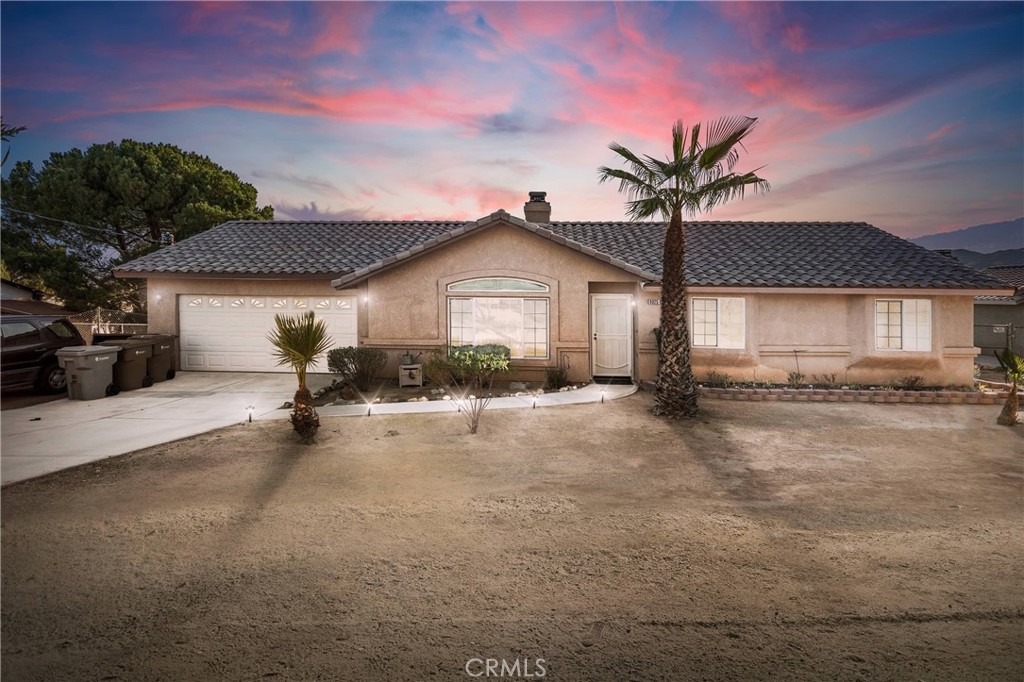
x=761 y=541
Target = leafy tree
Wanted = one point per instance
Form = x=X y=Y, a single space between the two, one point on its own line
x=696 y=177
x=69 y=223
x=298 y=341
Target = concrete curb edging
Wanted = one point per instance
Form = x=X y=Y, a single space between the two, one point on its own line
x=855 y=395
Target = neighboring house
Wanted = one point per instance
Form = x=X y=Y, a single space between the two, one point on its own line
x=842 y=298
x=999 y=320
x=18 y=299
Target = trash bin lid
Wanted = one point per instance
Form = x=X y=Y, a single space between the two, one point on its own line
x=125 y=344
x=73 y=351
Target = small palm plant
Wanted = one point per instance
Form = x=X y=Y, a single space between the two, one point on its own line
x=1013 y=366
x=298 y=342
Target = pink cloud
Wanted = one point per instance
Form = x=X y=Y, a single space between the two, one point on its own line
x=941 y=132
x=488 y=198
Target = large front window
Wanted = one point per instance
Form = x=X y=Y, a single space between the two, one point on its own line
x=519 y=323
x=718 y=322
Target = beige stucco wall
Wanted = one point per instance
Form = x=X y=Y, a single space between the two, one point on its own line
x=834 y=334
x=407 y=305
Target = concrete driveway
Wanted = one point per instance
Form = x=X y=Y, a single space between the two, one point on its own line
x=45 y=438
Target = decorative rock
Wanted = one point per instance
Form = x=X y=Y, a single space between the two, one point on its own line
x=563 y=389
x=446 y=397
x=517 y=386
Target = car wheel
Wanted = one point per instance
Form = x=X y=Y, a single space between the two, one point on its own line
x=52 y=378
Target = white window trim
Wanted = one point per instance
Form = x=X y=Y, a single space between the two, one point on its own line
x=905 y=304
x=461 y=287
x=547 y=321
x=741 y=343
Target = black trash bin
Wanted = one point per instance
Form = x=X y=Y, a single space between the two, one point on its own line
x=163 y=363
x=131 y=369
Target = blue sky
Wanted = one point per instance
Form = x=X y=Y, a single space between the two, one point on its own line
x=906 y=115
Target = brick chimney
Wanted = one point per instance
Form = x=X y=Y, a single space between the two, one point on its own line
x=537 y=209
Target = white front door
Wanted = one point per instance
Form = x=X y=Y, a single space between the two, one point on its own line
x=611 y=345
x=228 y=333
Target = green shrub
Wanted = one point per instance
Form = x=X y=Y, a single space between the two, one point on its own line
x=911 y=383
x=719 y=380
x=474 y=366
x=556 y=378
x=795 y=379
x=359 y=366
x=478 y=365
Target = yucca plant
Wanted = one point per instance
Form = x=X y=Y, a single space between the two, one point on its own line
x=298 y=341
x=1013 y=367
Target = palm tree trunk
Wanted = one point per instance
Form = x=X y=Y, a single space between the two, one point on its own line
x=675 y=388
x=1010 y=414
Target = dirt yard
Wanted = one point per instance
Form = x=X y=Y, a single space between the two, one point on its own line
x=764 y=541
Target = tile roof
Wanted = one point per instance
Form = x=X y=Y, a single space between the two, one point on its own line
x=718 y=253
x=1012 y=275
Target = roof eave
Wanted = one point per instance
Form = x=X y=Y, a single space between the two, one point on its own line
x=498 y=217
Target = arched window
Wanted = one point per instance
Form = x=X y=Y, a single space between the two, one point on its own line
x=498 y=285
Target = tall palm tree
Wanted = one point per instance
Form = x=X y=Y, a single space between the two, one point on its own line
x=298 y=341
x=697 y=177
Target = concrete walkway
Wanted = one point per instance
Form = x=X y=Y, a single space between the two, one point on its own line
x=58 y=435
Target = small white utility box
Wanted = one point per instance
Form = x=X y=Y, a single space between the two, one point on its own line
x=410 y=375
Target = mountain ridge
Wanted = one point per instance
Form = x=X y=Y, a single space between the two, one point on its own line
x=987 y=238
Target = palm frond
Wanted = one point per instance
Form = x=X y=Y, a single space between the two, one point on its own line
x=298 y=341
x=722 y=139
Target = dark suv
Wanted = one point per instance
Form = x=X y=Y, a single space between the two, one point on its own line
x=29 y=351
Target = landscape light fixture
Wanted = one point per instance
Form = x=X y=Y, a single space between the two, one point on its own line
x=603 y=391
x=250 y=409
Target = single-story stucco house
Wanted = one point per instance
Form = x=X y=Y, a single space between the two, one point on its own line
x=999 y=320
x=837 y=298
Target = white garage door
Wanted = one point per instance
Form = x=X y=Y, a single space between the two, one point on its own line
x=229 y=333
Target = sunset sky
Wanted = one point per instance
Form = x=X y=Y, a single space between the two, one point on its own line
x=909 y=116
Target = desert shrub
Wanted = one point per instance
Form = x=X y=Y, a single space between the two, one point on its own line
x=795 y=379
x=437 y=369
x=359 y=366
x=478 y=365
x=826 y=380
x=911 y=383
x=719 y=380
x=474 y=366
x=556 y=378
